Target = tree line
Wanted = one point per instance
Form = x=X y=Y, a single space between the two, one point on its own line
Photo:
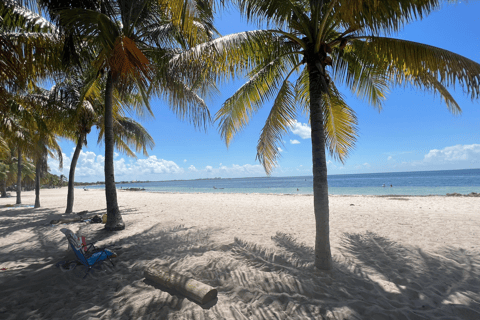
x=109 y=58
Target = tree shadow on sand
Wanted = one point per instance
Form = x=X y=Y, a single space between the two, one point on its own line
x=108 y=292
x=374 y=278
x=23 y=217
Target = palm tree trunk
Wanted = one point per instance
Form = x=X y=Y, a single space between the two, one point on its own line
x=71 y=175
x=38 y=171
x=19 y=177
x=323 y=256
x=114 y=218
x=4 y=188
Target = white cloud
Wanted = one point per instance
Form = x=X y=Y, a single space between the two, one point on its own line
x=246 y=170
x=209 y=169
x=459 y=153
x=389 y=158
x=280 y=149
x=153 y=165
x=185 y=160
x=90 y=167
x=192 y=168
x=301 y=129
x=294 y=142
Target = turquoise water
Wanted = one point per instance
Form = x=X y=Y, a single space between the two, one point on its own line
x=403 y=183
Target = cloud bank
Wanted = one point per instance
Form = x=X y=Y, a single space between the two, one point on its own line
x=90 y=168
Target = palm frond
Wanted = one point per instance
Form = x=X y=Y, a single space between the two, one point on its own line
x=340 y=124
x=134 y=134
x=229 y=56
x=260 y=88
x=365 y=80
x=382 y=16
x=410 y=60
x=430 y=82
x=302 y=92
x=281 y=115
x=183 y=101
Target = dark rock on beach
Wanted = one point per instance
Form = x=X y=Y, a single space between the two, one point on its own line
x=472 y=194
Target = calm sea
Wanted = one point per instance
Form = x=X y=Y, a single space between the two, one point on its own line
x=396 y=183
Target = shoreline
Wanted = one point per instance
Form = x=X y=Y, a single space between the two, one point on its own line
x=455 y=194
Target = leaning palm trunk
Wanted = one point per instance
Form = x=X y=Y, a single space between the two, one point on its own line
x=19 y=177
x=114 y=218
x=323 y=256
x=38 y=172
x=71 y=175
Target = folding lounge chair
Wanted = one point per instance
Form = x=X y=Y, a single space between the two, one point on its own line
x=87 y=254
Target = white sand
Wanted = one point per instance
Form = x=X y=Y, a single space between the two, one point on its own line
x=408 y=258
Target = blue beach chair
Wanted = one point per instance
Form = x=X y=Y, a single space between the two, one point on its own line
x=87 y=254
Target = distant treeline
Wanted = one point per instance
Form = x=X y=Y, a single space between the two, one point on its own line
x=103 y=182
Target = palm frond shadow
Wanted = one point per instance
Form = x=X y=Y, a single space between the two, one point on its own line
x=119 y=288
x=18 y=218
x=375 y=275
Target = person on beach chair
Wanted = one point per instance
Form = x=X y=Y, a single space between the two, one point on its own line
x=87 y=254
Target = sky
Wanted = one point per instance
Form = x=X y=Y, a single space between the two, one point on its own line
x=413 y=132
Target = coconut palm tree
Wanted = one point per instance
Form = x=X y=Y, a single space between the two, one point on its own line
x=309 y=48
x=6 y=174
x=83 y=103
x=30 y=48
x=15 y=125
x=45 y=145
x=129 y=44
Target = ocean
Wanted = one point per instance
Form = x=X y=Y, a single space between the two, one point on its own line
x=391 y=183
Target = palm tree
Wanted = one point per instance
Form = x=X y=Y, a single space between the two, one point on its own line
x=310 y=48
x=129 y=44
x=6 y=173
x=83 y=106
x=45 y=144
x=29 y=48
x=15 y=126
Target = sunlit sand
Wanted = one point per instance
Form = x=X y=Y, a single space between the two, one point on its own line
x=394 y=257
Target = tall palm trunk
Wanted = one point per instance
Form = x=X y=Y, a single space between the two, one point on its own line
x=4 y=188
x=323 y=256
x=38 y=172
x=19 y=177
x=71 y=175
x=114 y=218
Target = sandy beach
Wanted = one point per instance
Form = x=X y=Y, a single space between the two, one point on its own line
x=394 y=257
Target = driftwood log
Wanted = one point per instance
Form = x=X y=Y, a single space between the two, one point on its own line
x=77 y=217
x=190 y=288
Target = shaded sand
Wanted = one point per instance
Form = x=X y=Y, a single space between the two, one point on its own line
x=394 y=258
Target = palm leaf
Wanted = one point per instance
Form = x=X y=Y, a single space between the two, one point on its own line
x=14 y=17
x=302 y=92
x=365 y=80
x=281 y=115
x=382 y=16
x=411 y=60
x=182 y=100
x=340 y=124
x=260 y=88
x=227 y=57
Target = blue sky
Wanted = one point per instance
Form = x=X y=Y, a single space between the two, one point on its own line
x=413 y=132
